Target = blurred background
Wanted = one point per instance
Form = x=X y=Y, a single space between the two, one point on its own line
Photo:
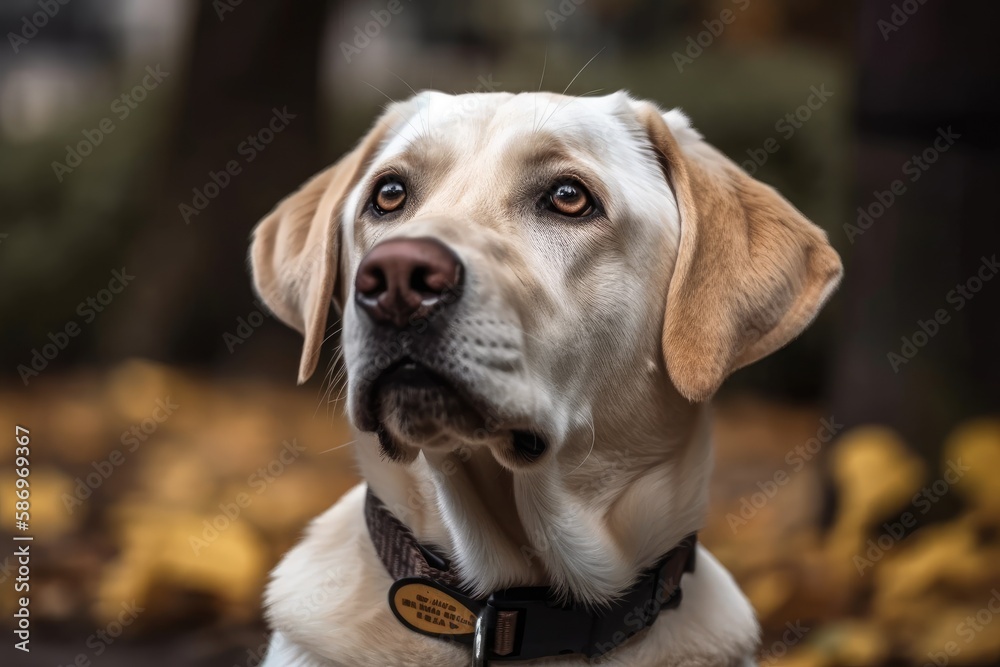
x=856 y=497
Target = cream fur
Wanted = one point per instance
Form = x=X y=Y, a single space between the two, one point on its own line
x=561 y=329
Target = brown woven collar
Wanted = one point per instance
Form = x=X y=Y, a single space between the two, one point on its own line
x=518 y=623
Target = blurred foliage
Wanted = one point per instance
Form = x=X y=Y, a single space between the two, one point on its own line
x=202 y=503
x=876 y=583
x=63 y=236
x=841 y=546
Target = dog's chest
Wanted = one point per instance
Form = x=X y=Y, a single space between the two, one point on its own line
x=327 y=603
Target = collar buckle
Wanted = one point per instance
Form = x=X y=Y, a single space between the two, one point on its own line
x=479 y=638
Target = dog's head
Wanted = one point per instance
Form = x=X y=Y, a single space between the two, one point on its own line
x=511 y=269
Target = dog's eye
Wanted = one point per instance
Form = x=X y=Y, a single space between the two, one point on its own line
x=389 y=196
x=571 y=199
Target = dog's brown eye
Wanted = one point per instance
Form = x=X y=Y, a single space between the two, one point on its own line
x=390 y=195
x=570 y=199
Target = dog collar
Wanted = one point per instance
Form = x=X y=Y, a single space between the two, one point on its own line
x=524 y=623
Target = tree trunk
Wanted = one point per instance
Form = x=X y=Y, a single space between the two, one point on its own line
x=249 y=104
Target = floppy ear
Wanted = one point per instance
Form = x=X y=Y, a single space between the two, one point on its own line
x=295 y=249
x=751 y=273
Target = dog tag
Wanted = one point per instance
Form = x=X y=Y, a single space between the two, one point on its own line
x=428 y=608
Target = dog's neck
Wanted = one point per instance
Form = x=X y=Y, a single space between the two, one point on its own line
x=583 y=523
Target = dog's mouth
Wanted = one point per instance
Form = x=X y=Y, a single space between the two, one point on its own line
x=408 y=376
x=412 y=406
x=408 y=373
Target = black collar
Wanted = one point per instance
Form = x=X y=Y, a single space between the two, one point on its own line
x=517 y=623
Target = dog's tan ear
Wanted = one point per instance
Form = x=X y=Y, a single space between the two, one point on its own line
x=295 y=249
x=751 y=272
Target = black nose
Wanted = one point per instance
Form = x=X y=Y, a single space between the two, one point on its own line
x=403 y=278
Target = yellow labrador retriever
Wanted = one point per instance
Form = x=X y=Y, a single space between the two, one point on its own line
x=539 y=295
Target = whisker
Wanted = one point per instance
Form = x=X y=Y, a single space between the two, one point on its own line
x=534 y=103
x=402 y=80
x=331 y=380
x=426 y=123
x=561 y=106
x=341 y=395
x=583 y=68
x=525 y=332
x=346 y=444
x=545 y=60
x=384 y=121
x=333 y=333
x=593 y=440
x=393 y=101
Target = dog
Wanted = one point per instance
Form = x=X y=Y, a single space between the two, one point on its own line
x=539 y=295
